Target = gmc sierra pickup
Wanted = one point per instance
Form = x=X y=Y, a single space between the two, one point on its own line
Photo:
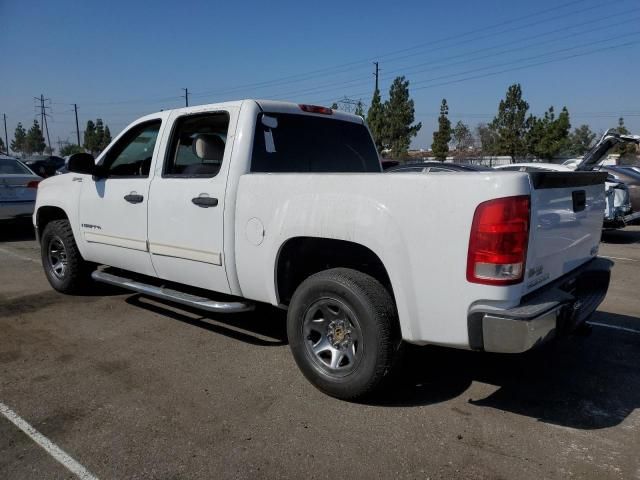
x=222 y=206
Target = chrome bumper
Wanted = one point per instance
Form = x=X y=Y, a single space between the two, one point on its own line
x=556 y=309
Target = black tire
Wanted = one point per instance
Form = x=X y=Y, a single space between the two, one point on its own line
x=73 y=276
x=372 y=350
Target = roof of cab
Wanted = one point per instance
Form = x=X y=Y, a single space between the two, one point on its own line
x=269 y=106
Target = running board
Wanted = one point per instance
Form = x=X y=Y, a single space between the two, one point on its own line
x=164 y=293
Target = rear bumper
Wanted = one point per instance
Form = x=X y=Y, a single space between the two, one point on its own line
x=10 y=210
x=555 y=309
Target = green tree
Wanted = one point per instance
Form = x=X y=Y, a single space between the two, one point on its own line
x=106 y=138
x=70 y=149
x=510 y=124
x=400 y=113
x=442 y=137
x=462 y=138
x=19 y=142
x=2 y=147
x=35 y=140
x=626 y=148
x=581 y=140
x=376 y=121
x=548 y=136
x=487 y=139
x=334 y=106
x=359 y=109
x=90 y=139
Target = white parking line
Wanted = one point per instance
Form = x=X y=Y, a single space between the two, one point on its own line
x=17 y=255
x=622 y=258
x=615 y=327
x=52 y=449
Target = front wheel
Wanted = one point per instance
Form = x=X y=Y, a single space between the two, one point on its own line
x=343 y=332
x=64 y=267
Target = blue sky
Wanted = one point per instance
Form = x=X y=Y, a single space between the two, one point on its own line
x=118 y=60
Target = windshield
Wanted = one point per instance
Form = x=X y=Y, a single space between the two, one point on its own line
x=13 y=167
x=305 y=143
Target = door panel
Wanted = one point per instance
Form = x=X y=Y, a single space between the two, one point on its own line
x=187 y=199
x=113 y=210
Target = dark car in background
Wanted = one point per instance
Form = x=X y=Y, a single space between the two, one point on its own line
x=44 y=165
x=438 y=167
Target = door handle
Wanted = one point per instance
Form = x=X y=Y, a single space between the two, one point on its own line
x=205 y=202
x=134 y=198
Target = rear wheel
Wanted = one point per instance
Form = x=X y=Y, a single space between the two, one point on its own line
x=63 y=265
x=343 y=331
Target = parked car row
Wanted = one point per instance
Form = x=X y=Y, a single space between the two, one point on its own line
x=622 y=200
x=18 y=188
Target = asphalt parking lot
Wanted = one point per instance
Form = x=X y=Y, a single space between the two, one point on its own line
x=133 y=388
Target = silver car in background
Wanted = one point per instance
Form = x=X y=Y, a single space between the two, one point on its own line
x=18 y=188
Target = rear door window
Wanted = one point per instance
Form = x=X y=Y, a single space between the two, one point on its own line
x=305 y=143
x=197 y=145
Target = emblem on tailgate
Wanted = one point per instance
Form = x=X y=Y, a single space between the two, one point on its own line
x=534 y=271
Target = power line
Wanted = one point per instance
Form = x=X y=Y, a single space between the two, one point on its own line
x=438 y=63
x=313 y=74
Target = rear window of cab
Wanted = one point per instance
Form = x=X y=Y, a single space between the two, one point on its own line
x=305 y=143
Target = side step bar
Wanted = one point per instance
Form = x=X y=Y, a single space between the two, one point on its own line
x=163 y=293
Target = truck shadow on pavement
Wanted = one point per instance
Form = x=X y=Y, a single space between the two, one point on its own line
x=265 y=326
x=584 y=383
x=17 y=231
x=579 y=382
x=621 y=237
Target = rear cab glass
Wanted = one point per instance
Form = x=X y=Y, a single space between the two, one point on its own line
x=286 y=142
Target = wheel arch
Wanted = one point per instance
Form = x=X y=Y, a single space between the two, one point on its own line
x=47 y=214
x=320 y=254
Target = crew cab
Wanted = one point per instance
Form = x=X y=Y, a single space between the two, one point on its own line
x=228 y=205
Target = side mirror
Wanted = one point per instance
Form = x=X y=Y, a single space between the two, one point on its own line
x=82 y=163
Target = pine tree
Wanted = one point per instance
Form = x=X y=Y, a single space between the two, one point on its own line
x=106 y=139
x=99 y=134
x=548 y=136
x=19 y=141
x=35 y=140
x=400 y=114
x=90 y=137
x=442 y=137
x=581 y=140
x=376 y=121
x=510 y=124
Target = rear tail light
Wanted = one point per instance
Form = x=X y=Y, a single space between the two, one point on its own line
x=498 y=242
x=316 y=109
x=33 y=184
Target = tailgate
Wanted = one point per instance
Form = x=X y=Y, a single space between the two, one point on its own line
x=567 y=211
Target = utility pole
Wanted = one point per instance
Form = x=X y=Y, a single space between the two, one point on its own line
x=6 y=137
x=376 y=74
x=186 y=97
x=43 y=117
x=75 y=108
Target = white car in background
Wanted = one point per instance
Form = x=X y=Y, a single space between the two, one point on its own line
x=18 y=188
x=618 y=202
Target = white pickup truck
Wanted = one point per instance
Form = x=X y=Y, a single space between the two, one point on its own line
x=222 y=206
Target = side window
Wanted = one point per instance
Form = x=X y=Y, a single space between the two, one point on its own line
x=197 y=146
x=131 y=155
